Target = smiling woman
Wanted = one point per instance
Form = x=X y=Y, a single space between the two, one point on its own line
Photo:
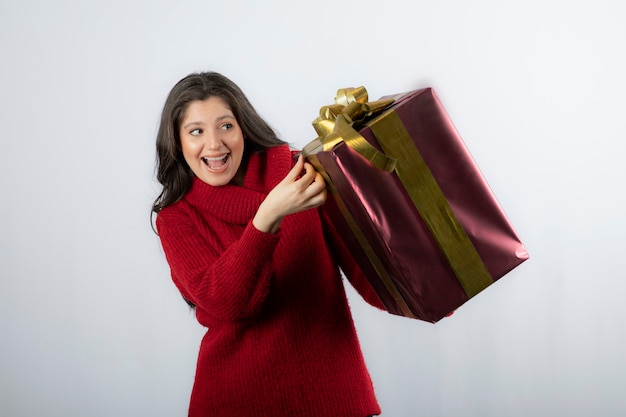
x=212 y=142
x=176 y=177
x=247 y=247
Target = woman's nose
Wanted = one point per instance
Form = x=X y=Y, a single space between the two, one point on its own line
x=213 y=141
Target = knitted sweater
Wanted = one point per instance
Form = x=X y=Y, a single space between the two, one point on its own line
x=281 y=340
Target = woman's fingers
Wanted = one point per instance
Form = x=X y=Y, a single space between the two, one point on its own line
x=316 y=191
x=297 y=169
x=302 y=188
x=318 y=184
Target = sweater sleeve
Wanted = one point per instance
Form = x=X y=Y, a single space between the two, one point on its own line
x=348 y=265
x=228 y=285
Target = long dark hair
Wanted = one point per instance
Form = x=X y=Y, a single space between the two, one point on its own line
x=171 y=169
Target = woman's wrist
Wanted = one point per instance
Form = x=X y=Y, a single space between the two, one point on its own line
x=266 y=223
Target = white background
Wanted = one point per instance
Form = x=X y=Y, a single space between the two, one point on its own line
x=90 y=323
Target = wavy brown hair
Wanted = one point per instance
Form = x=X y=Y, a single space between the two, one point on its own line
x=172 y=170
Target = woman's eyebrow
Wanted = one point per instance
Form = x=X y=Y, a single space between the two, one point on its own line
x=226 y=116
x=188 y=125
x=199 y=123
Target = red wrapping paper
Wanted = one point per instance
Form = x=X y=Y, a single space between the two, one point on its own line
x=394 y=229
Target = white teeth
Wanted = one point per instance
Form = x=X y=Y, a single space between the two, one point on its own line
x=208 y=159
x=214 y=158
x=215 y=162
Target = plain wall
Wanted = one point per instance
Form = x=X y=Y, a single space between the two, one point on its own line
x=90 y=323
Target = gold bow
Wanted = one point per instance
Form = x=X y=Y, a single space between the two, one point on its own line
x=335 y=124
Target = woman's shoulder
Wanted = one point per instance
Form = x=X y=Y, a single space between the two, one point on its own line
x=176 y=213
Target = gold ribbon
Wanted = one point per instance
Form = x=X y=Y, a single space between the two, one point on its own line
x=335 y=124
x=431 y=204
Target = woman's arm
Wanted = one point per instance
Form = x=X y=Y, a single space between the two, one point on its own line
x=229 y=285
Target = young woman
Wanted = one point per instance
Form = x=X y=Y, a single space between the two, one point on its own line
x=249 y=250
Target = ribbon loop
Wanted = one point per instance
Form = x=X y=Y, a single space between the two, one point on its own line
x=346 y=96
x=335 y=125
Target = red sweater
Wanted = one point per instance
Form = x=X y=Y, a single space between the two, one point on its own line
x=280 y=339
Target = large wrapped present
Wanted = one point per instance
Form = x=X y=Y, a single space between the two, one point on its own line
x=410 y=202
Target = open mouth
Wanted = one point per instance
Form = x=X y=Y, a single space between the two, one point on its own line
x=215 y=162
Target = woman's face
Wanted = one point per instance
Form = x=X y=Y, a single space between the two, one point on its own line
x=212 y=141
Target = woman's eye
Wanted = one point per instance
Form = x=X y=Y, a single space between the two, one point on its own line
x=196 y=132
x=227 y=126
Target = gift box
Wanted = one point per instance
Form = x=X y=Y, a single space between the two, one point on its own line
x=410 y=203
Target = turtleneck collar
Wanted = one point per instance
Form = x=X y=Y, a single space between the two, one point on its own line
x=238 y=204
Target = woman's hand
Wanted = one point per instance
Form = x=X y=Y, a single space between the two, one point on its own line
x=303 y=188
